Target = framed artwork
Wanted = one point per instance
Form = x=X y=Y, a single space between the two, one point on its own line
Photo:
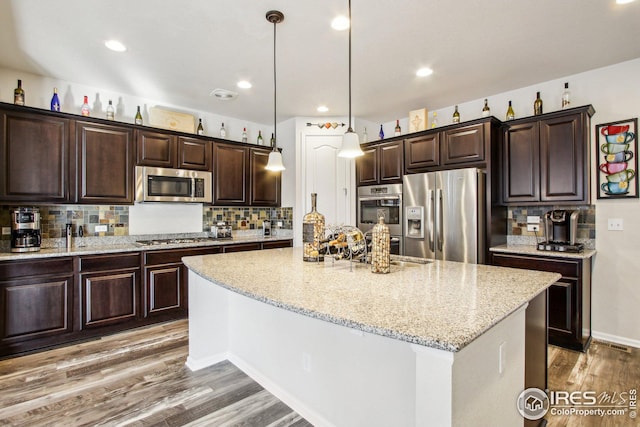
x=617 y=159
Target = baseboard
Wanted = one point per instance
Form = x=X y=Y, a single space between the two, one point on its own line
x=197 y=364
x=601 y=336
x=303 y=410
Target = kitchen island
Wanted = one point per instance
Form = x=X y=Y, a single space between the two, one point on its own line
x=435 y=343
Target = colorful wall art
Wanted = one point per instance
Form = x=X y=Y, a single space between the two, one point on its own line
x=617 y=159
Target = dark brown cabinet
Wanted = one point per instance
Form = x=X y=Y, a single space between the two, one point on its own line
x=545 y=160
x=464 y=144
x=230 y=174
x=35 y=154
x=172 y=151
x=264 y=185
x=105 y=163
x=36 y=298
x=194 y=154
x=380 y=164
x=422 y=152
x=110 y=288
x=568 y=300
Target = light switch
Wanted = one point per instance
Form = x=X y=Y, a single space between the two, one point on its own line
x=615 y=224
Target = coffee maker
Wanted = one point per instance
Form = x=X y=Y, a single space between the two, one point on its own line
x=25 y=230
x=560 y=232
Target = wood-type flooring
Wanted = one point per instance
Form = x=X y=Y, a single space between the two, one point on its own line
x=138 y=378
x=135 y=378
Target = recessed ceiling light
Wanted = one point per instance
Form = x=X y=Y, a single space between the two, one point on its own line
x=115 y=45
x=322 y=109
x=244 y=84
x=423 y=72
x=624 y=1
x=224 y=94
x=340 y=23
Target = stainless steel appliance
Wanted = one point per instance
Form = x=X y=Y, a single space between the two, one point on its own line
x=560 y=232
x=172 y=185
x=266 y=227
x=221 y=231
x=385 y=201
x=25 y=230
x=444 y=215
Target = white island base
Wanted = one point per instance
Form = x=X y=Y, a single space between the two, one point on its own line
x=337 y=376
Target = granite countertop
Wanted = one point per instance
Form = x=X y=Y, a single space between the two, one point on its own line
x=440 y=304
x=93 y=246
x=532 y=250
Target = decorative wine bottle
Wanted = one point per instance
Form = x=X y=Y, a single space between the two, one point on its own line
x=537 y=105
x=486 y=112
x=312 y=233
x=381 y=133
x=434 y=120
x=223 y=131
x=566 y=97
x=244 y=135
x=456 y=116
x=55 y=101
x=85 y=110
x=380 y=248
x=397 y=129
x=510 y=113
x=138 y=116
x=18 y=94
x=111 y=114
x=260 y=140
x=272 y=141
x=200 y=129
x=365 y=137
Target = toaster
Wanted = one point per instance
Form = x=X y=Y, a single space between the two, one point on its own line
x=221 y=231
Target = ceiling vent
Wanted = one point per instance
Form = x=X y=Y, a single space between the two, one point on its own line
x=224 y=94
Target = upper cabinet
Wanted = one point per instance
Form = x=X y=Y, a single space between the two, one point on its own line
x=265 y=185
x=105 y=163
x=35 y=154
x=167 y=150
x=545 y=159
x=380 y=164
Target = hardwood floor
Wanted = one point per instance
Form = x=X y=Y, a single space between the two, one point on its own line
x=603 y=368
x=136 y=378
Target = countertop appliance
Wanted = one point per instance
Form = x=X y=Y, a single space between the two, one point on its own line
x=560 y=232
x=375 y=201
x=172 y=185
x=444 y=215
x=25 y=230
x=221 y=231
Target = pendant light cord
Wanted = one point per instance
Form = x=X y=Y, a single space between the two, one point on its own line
x=350 y=129
x=275 y=91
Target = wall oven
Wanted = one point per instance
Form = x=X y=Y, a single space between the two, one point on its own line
x=382 y=200
x=172 y=185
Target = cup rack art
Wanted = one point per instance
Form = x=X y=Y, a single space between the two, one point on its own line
x=344 y=242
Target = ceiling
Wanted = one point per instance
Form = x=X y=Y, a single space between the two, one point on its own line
x=179 y=51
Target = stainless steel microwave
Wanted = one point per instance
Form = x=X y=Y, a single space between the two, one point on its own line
x=172 y=185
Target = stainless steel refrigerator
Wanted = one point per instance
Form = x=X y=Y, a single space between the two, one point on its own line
x=444 y=215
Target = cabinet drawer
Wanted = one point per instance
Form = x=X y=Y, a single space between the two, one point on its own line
x=175 y=256
x=567 y=268
x=18 y=269
x=109 y=262
x=242 y=247
x=277 y=244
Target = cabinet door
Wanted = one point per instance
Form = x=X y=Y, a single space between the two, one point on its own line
x=230 y=174
x=463 y=145
x=521 y=167
x=367 y=167
x=194 y=154
x=109 y=297
x=155 y=149
x=165 y=289
x=563 y=322
x=35 y=156
x=265 y=185
x=105 y=172
x=564 y=160
x=391 y=162
x=422 y=152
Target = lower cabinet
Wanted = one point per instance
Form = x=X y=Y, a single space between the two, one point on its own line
x=568 y=300
x=36 y=298
x=110 y=288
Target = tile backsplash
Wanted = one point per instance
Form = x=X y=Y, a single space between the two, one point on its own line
x=517 y=221
x=53 y=219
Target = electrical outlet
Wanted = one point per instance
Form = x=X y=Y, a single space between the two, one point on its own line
x=279 y=224
x=306 y=362
x=6 y=231
x=615 y=224
x=533 y=219
x=101 y=228
x=533 y=227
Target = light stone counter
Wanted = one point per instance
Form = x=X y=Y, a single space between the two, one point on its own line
x=443 y=305
x=532 y=250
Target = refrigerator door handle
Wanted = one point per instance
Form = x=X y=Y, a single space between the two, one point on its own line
x=439 y=213
x=430 y=215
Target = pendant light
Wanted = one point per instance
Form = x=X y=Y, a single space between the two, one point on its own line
x=350 y=142
x=275 y=157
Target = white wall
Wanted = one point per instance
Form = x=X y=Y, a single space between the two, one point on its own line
x=614 y=92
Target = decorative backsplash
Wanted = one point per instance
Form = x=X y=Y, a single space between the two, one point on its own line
x=53 y=219
x=517 y=220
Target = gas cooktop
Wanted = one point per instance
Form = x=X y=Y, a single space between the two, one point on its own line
x=560 y=247
x=157 y=242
